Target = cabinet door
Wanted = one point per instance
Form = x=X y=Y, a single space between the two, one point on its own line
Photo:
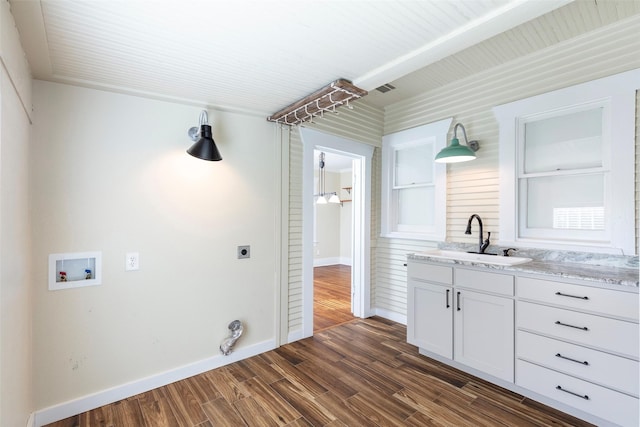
x=484 y=333
x=429 y=317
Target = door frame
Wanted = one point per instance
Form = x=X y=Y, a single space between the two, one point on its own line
x=361 y=231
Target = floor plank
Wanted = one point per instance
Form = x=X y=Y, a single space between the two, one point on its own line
x=359 y=373
x=331 y=296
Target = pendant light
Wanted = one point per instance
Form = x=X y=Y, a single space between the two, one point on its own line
x=321 y=196
x=456 y=153
x=334 y=198
x=205 y=147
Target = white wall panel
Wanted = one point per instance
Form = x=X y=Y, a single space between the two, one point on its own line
x=132 y=187
x=637 y=168
x=16 y=347
x=13 y=59
x=295 y=232
x=16 y=263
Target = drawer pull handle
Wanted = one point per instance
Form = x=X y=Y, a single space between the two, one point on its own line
x=448 y=298
x=582 y=328
x=585 y=397
x=571 y=296
x=458 y=301
x=573 y=360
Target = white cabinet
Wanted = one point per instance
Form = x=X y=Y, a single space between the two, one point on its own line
x=572 y=344
x=462 y=314
x=579 y=345
x=429 y=308
x=483 y=333
x=429 y=300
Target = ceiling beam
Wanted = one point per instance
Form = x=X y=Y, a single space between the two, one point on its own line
x=500 y=20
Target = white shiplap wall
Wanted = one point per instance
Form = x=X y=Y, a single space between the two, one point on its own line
x=364 y=124
x=473 y=187
x=637 y=168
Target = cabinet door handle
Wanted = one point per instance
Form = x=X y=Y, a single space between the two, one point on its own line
x=573 y=360
x=571 y=296
x=458 y=301
x=447 y=301
x=582 y=328
x=582 y=396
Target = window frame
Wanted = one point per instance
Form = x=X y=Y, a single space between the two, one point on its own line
x=432 y=133
x=604 y=170
x=617 y=96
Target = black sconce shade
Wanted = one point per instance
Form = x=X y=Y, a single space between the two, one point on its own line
x=205 y=148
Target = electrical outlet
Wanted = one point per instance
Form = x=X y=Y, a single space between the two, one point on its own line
x=244 y=252
x=132 y=261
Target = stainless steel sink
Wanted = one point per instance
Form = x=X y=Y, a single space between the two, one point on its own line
x=474 y=257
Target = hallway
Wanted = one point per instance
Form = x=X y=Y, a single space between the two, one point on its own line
x=331 y=296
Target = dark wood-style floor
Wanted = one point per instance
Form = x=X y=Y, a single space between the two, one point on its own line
x=360 y=373
x=331 y=296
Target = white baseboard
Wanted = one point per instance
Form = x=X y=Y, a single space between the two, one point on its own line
x=105 y=397
x=323 y=262
x=295 y=336
x=391 y=315
x=345 y=261
x=31 y=422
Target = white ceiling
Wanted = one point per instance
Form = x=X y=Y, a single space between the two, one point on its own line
x=262 y=55
x=257 y=56
x=572 y=20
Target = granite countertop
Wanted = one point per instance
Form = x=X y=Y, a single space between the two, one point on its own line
x=599 y=274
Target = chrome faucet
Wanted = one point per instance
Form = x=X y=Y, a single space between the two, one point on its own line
x=481 y=245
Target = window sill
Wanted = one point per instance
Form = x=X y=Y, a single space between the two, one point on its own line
x=413 y=236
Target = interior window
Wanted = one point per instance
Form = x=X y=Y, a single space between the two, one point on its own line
x=414 y=186
x=562 y=184
x=562 y=175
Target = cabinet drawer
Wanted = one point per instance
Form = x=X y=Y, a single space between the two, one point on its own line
x=599 y=401
x=598 y=300
x=591 y=365
x=484 y=281
x=603 y=333
x=430 y=272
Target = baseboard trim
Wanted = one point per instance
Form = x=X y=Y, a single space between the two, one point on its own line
x=324 y=262
x=105 y=397
x=295 y=336
x=391 y=315
x=31 y=421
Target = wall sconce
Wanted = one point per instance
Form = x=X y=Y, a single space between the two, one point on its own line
x=205 y=147
x=456 y=153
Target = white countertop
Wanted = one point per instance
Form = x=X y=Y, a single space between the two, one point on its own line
x=567 y=270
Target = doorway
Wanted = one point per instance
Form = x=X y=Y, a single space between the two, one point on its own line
x=361 y=155
x=332 y=242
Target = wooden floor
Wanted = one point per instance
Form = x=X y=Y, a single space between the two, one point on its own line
x=360 y=373
x=331 y=296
